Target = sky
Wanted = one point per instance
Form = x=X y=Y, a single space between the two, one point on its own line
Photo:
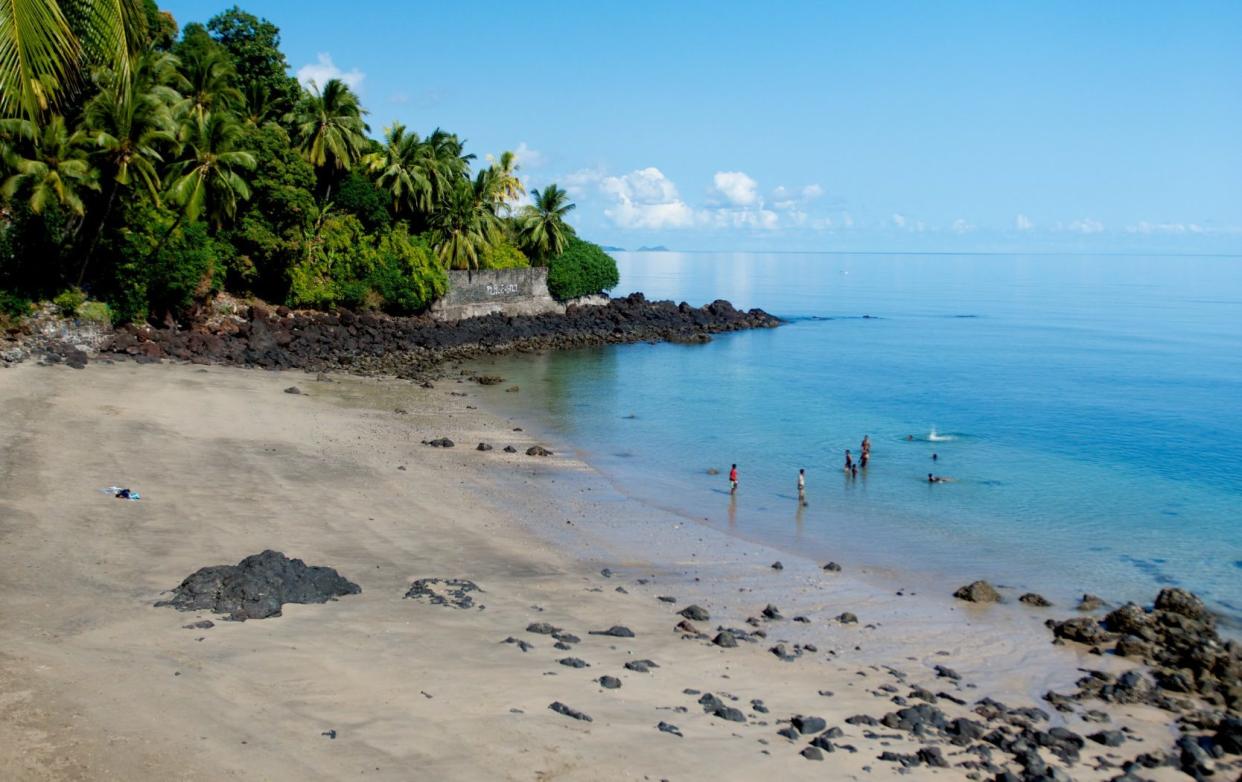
x=789 y=126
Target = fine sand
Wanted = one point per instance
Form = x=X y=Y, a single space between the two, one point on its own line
x=96 y=683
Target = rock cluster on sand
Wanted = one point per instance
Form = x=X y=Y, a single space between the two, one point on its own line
x=258 y=586
x=451 y=592
x=1177 y=638
x=406 y=347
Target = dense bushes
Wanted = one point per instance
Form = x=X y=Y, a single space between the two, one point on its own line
x=503 y=255
x=392 y=271
x=583 y=269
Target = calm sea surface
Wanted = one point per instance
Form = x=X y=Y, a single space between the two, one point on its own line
x=1089 y=409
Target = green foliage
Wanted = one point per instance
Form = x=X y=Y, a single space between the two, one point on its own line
x=344 y=265
x=503 y=255
x=362 y=198
x=267 y=237
x=254 y=45
x=542 y=230
x=69 y=301
x=160 y=266
x=583 y=269
x=95 y=312
x=13 y=306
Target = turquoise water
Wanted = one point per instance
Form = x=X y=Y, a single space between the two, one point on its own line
x=1088 y=408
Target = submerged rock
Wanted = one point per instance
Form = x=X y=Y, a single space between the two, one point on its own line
x=258 y=586
x=1035 y=599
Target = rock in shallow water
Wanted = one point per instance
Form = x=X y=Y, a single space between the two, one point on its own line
x=258 y=586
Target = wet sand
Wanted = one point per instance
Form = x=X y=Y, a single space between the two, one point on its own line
x=97 y=683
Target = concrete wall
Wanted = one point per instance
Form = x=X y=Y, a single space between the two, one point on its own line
x=508 y=291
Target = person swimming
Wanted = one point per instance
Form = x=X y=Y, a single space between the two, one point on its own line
x=849 y=460
x=935 y=457
x=938 y=479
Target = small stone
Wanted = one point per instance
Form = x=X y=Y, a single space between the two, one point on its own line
x=609 y=682
x=616 y=631
x=1090 y=603
x=695 y=612
x=666 y=727
x=606 y=573
x=510 y=449
x=483 y=447
x=574 y=662
x=832 y=567
x=725 y=640
x=293 y=390
x=812 y=753
x=847 y=618
x=1109 y=738
x=1034 y=599
x=666 y=599
x=538 y=450
x=561 y=708
x=777 y=565
x=542 y=628
x=772 y=612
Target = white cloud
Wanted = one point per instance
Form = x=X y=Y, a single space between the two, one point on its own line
x=904 y=223
x=743 y=218
x=1086 y=225
x=1022 y=223
x=577 y=182
x=785 y=198
x=900 y=220
x=646 y=199
x=736 y=188
x=962 y=226
x=529 y=158
x=1144 y=227
x=318 y=73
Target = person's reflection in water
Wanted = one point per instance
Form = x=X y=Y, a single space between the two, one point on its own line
x=732 y=511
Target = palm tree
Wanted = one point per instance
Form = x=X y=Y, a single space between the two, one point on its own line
x=206 y=179
x=399 y=168
x=462 y=226
x=208 y=81
x=129 y=129
x=542 y=229
x=57 y=169
x=328 y=126
x=445 y=162
x=501 y=181
x=41 y=59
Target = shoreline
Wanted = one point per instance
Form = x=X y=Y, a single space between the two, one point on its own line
x=316 y=474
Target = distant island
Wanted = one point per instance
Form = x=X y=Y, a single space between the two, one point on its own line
x=608 y=248
x=659 y=248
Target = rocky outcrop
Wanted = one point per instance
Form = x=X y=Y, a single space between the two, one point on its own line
x=407 y=347
x=1177 y=637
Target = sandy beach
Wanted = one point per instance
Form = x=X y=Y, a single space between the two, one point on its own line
x=97 y=683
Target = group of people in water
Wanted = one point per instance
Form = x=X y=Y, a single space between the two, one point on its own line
x=851 y=469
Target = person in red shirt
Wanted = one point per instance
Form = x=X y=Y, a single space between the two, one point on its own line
x=733 y=479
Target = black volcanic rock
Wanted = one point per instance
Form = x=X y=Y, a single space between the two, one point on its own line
x=258 y=586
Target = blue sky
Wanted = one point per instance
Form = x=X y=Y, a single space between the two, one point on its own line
x=1039 y=126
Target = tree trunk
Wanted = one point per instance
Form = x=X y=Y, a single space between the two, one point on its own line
x=103 y=221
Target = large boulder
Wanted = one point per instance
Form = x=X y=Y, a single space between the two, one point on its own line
x=258 y=586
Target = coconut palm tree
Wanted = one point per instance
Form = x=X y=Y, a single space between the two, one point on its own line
x=399 y=169
x=207 y=179
x=130 y=129
x=56 y=168
x=542 y=230
x=446 y=163
x=462 y=226
x=328 y=127
x=501 y=181
x=42 y=59
x=208 y=81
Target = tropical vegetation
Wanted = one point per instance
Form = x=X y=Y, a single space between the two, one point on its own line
x=150 y=167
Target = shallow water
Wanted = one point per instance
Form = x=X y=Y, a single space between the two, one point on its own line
x=1089 y=410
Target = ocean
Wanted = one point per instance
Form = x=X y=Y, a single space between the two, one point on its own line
x=1088 y=410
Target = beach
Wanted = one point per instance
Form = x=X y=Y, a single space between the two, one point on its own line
x=99 y=683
